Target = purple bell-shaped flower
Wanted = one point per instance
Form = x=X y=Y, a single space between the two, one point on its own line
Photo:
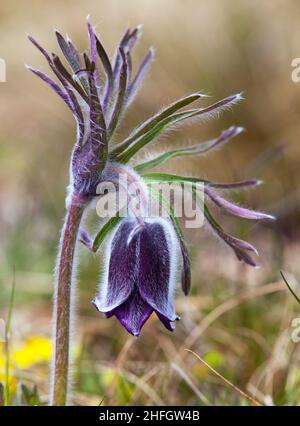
x=140 y=274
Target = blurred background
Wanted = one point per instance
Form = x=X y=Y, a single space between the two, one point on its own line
x=239 y=320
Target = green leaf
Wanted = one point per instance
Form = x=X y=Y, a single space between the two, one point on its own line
x=104 y=231
x=123 y=156
x=157 y=161
x=170 y=178
x=156 y=119
x=157 y=177
x=195 y=149
x=153 y=128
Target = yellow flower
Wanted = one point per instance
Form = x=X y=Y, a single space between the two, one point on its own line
x=2 y=358
x=35 y=350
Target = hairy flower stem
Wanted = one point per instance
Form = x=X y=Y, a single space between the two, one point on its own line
x=62 y=302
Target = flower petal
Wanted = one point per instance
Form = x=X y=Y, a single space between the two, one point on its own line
x=120 y=272
x=133 y=313
x=166 y=322
x=156 y=272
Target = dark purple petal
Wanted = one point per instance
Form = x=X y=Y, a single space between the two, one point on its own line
x=121 y=273
x=166 y=322
x=154 y=275
x=234 y=209
x=133 y=313
x=138 y=278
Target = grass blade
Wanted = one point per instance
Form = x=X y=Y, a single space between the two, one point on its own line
x=234 y=387
x=289 y=287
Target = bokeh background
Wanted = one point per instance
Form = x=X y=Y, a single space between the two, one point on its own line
x=237 y=319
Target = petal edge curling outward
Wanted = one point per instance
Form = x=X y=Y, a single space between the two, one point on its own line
x=166 y=322
x=133 y=313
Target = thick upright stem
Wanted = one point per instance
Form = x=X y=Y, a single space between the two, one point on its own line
x=62 y=303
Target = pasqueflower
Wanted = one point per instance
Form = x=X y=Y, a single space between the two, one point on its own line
x=142 y=256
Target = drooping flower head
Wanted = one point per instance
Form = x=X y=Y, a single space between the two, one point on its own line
x=140 y=275
x=144 y=253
